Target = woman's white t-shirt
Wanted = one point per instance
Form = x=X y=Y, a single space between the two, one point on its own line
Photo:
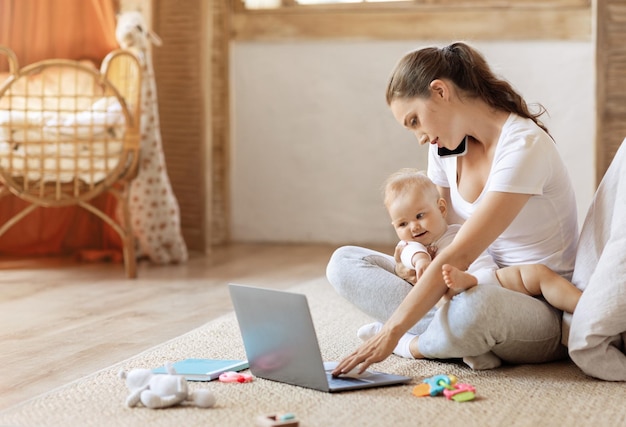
x=525 y=161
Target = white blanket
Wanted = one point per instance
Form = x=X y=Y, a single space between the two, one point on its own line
x=104 y=116
x=59 y=145
x=598 y=326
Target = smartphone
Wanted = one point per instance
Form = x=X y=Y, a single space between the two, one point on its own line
x=458 y=151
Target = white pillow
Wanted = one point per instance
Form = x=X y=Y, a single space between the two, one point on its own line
x=11 y=119
x=104 y=115
x=598 y=326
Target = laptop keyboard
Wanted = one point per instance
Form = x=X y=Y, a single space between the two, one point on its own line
x=343 y=381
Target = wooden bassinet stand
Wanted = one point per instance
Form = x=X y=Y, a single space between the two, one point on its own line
x=69 y=133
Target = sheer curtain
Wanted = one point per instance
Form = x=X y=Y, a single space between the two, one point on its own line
x=69 y=29
x=72 y=29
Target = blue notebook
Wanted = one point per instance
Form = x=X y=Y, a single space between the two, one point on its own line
x=204 y=369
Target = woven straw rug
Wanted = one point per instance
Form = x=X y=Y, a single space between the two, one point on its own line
x=555 y=394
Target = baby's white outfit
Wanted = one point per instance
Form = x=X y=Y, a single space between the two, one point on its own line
x=484 y=268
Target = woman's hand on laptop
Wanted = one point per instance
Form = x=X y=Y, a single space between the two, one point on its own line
x=376 y=349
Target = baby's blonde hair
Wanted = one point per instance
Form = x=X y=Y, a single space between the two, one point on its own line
x=409 y=179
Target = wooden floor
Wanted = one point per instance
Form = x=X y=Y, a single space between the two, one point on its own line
x=61 y=320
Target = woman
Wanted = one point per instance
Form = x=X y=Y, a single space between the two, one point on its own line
x=512 y=194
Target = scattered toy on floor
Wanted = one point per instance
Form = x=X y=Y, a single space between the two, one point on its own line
x=286 y=419
x=158 y=391
x=235 y=377
x=446 y=385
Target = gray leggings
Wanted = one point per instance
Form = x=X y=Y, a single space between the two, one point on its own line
x=515 y=327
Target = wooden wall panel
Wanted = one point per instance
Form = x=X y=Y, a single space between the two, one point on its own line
x=423 y=20
x=219 y=220
x=180 y=85
x=611 y=81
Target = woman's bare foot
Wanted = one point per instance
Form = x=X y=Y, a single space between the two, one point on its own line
x=456 y=279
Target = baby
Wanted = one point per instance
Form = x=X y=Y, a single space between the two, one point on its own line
x=418 y=214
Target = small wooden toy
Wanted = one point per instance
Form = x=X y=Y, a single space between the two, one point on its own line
x=277 y=420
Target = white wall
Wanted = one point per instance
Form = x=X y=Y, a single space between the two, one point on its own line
x=313 y=138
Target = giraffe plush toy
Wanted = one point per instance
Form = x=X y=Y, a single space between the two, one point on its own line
x=154 y=210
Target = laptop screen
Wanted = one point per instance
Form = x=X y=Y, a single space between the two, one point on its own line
x=279 y=336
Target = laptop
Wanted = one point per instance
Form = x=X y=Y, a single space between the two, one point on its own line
x=281 y=344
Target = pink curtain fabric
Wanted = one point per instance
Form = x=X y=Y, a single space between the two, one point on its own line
x=71 y=29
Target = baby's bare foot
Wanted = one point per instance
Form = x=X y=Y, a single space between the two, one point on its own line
x=456 y=279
